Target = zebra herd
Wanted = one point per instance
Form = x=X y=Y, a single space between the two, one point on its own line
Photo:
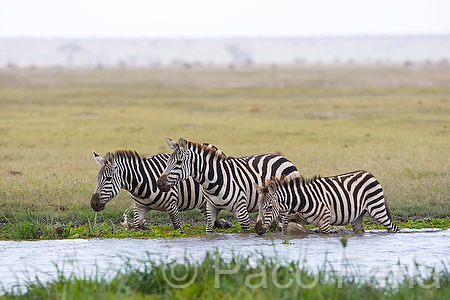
x=200 y=176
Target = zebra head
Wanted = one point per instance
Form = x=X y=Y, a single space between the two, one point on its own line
x=178 y=165
x=269 y=207
x=108 y=182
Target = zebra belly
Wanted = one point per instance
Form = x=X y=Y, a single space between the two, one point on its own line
x=343 y=214
x=165 y=201
x=220 y=203
x=230 y=205
x=150 y=203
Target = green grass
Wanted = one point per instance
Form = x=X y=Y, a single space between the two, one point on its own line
x=389 y=120
x=30 y=227
x=238 y=278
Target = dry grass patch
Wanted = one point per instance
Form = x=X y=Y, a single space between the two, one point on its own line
x=392 y=121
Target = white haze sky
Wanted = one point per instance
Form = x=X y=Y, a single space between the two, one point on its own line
x=221 y=19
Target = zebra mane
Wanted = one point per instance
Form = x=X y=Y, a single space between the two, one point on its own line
x=285 y=181
x=209 y=148
x=129 y=154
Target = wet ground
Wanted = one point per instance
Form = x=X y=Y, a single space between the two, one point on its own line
x=375 y=252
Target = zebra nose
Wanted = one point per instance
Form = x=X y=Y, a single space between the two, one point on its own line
x=95 y=202
x=259 y=228
x=162 y=183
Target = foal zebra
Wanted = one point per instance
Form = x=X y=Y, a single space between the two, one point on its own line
x=228 y=182
x=335 y=200
x=126 y=169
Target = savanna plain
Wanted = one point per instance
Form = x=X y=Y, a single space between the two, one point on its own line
x=391 y=120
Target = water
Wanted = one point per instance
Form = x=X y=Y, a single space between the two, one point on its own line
x=375 y=253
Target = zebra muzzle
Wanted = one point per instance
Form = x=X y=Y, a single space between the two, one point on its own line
x=163 y=184
x=95 y=202
x=259 y=228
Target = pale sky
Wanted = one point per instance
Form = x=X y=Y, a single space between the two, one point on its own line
x=221 y=19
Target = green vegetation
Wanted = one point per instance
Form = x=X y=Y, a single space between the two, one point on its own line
x=443 y=223
x=238 y=278
x=390 y=120
x=31 y=228
x=35 y=229
x=423 y=223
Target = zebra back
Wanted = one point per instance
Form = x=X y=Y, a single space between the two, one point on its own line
x=226 y=176
x=335 y=200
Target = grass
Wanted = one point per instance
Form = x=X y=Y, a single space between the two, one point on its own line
x=32 y=228
x=390 y=120
x=251 y=276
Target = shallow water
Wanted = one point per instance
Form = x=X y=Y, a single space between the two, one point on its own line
x=374 y=252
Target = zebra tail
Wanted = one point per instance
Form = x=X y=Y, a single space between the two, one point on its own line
x=388 y=210
x=395 y=228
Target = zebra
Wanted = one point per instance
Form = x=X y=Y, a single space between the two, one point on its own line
x=227 y=182
x=126 y=169
x=325 y=201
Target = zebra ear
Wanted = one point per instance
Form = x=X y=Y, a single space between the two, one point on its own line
x=182 y=142
x=258 y=188
x=109 y=158
x=99 y=159
x=272 y=187
x=172 y=144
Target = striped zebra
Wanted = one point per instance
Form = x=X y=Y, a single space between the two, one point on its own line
x=228 y=182
x=126 y=169
x=325 y=201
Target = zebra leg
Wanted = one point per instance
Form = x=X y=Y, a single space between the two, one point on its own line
x=241 y=214
x=211 y=217
x=357 y=224
x=324 y=221
x=172 y=211
x=217 y=223
x=139 y=212
x=202 y=209
x=284 y=220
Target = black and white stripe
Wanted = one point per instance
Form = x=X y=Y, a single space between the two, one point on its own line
x=228 y=182
x=335 y=200
x=126 y=169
